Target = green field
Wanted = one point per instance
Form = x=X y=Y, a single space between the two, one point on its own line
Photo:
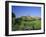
x=26 y=23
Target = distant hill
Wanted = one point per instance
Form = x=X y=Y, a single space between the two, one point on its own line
x=29 y=18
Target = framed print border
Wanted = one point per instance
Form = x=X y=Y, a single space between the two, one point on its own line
x=7 y=17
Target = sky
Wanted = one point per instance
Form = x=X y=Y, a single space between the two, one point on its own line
x=26 y=11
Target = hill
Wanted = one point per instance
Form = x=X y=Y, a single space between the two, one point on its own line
x=27 y=23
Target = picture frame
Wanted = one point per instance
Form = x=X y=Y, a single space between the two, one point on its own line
x=8 y=11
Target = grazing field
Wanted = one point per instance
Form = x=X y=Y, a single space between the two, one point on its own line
x=26 y=23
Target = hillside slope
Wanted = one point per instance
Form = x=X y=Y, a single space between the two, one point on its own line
x=27 y=23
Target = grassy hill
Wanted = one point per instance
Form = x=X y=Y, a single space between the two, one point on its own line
x=27 y=23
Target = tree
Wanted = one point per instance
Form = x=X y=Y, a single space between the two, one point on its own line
x=13 y=18
x=13 y=15
x=13 y=21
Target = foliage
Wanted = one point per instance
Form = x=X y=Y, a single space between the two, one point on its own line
x=25 y=23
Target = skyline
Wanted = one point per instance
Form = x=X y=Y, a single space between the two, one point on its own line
x=26 y=11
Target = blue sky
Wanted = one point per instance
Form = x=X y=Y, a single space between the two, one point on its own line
x=26 y=11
